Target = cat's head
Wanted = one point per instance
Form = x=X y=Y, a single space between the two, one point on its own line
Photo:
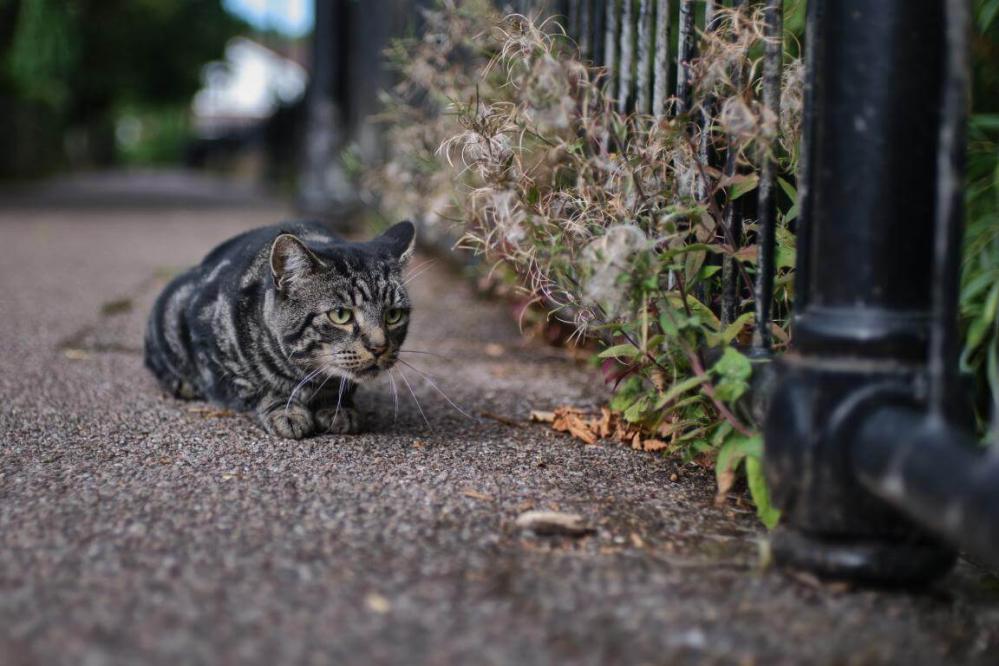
x=342 y=311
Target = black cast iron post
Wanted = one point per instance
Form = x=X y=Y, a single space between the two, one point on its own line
x=324 y=188
x=865 y=449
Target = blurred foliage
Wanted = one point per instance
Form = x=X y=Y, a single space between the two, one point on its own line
x=82 y=62
x=980 y=275
x=153 y=135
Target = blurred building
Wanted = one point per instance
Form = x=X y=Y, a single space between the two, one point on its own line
x=245 y=89
x=244 y=117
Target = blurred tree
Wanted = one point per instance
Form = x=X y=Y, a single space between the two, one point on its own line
x=84 y=60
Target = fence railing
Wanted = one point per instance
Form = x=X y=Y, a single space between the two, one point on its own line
x=636 y=52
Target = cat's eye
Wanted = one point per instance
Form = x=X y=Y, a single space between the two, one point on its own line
x=341 y=316
x=394 y=315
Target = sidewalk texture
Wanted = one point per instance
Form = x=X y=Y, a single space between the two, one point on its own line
x=135 y=528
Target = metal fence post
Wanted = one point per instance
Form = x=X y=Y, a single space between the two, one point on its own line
x=874 y=483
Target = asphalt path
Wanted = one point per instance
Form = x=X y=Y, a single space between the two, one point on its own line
x=135 y=528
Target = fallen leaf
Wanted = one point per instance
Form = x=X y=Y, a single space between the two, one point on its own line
x=654 y=445
x=569 y=420
x=549 y=523
x=603 y=426
x=542 y=417
x=725 y=481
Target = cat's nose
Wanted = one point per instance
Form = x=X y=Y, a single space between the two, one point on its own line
x=377 y=350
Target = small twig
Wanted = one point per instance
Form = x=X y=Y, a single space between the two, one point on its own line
x=502 y=419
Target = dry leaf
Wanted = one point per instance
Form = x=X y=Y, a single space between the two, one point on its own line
x=542 y=417
x=654 y=445
x=725 y=481
x=553 y=522
x=604 y=425
x=568 y=419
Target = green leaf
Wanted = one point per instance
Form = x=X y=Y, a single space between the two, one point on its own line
x=722 y=433
x=792 y=213
x=533 y=195
x=767 y=513
x=637 y=410
x=668 y=324
x=984 y=321
x=987 y=12
x=743 y=184
x=978 y=285
x=736 y=449
x=732 y=330
x=985 y=121
x=679 y=389
x=696 y=307
x=733 y=365
x=787 y=257
x=788 y=188
x=708 y=271
x=626 y=350
x=733 y=370
x=692 y=264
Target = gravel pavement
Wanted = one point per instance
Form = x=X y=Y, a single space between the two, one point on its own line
x=139 y=529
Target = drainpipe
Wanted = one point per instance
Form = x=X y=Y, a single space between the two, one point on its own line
x=868 y=449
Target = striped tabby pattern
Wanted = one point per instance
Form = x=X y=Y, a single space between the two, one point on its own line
x=284 y=321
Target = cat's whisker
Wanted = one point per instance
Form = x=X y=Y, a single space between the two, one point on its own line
x=420 y=270
x=415 y=399
x=329 y=377
x=420 y=351
x=339 y=399
x=395 y=395
x=302 y=383
x=430 y=381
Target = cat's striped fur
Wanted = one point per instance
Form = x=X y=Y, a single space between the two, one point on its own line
x=284 y=321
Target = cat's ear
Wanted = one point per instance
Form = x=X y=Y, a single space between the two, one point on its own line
x=291 y=261
x=400 y=239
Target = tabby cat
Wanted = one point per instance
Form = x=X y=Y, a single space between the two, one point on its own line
x=284 y=321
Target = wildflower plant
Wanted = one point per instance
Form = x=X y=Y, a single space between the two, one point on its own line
x=618 y=224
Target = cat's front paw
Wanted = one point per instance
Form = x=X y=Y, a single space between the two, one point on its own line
x=345 y=421
x=295 y=422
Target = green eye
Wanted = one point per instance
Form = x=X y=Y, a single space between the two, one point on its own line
x=341 y=316
x=393 y=315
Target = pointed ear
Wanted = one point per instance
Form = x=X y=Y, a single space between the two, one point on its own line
x=400 y=239
x=291 y=260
